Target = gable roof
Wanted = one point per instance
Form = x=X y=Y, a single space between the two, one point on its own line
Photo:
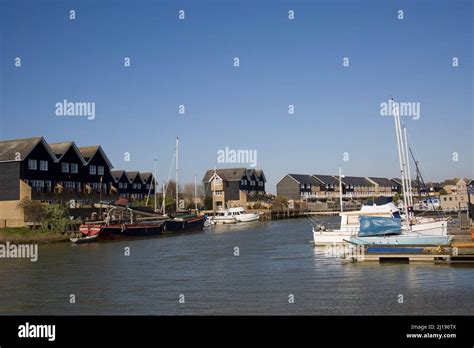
x=9 y=149
x=381 y=181
x=229 y=174
x=145 y=176
x=133 y=175
x=325 y=179
x=355 y=181
x=117 y=175
x=60 y=149
x=302 y=178
x=88 y=152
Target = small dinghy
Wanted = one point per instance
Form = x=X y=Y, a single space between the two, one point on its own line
x=87 y=239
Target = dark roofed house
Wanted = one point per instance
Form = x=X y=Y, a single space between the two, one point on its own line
x=149 y=180
x=122 y=183
x=357 y=186
x=233 y=186
x=383 y=186
x=98 y=169
x=56 y=173
x=69 y=168
x=326 y=186
x=296 y=186
x=30 y=160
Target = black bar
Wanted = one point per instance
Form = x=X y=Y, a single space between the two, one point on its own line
x=192 y=330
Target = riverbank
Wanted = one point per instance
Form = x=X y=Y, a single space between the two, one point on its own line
x=26 y=235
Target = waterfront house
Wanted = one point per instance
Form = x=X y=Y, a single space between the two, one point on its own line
x=233 y=186
x=122 y=183
x=97 y=175
x=357 y=187
x=383 y=186
x=149 y=180
x=56 y=173
x=325 y=186
x=69 y=170
x=295 y=186
x=137 y=191
x=25 y=166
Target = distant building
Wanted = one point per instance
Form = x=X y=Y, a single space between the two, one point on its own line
x=317 y=186
x=233 y=186
x=296 y=186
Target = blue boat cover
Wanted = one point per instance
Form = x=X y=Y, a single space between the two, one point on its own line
x=378 y=226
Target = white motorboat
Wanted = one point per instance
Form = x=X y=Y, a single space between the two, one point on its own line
x=233 y=215
x=241 y=215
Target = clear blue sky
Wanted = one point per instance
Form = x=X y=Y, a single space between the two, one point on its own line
x=283 y=62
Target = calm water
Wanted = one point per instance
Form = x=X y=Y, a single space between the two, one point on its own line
x=276 y=259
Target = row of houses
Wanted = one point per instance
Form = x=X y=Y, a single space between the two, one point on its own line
x=61 y=172
x=315 y=186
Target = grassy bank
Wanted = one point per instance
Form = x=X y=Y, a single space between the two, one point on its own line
x=26 y=235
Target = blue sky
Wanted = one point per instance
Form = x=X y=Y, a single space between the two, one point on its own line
x=282 y=62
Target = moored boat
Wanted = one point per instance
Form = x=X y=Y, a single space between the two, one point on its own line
x=86 y=239
x=184 y=223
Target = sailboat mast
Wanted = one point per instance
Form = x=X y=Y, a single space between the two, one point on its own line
x=155 y=188
x=396 y=117
x=410 y=192
x=340 y=188
x=177 y=183
x=195 y=194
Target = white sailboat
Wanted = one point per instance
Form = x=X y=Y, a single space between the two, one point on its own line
x=350 y=226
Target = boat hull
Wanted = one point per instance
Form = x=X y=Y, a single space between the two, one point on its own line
x=331 y=237
x=184 y=225
x=114 y=231
x=402 y=239
x=248 y=218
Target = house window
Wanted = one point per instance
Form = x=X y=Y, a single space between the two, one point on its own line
x=48 y=185
x=139 y=186
x=120 y=185
x=147 y=186
x=96 y=186
x=37 y=185
x=70 y=185
x=64 y=167
x=302 y=186
x=44 y=166
x=32 y=164
x=74 y=168
x=92 y=170
x=125 y=185
x=100 y=170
